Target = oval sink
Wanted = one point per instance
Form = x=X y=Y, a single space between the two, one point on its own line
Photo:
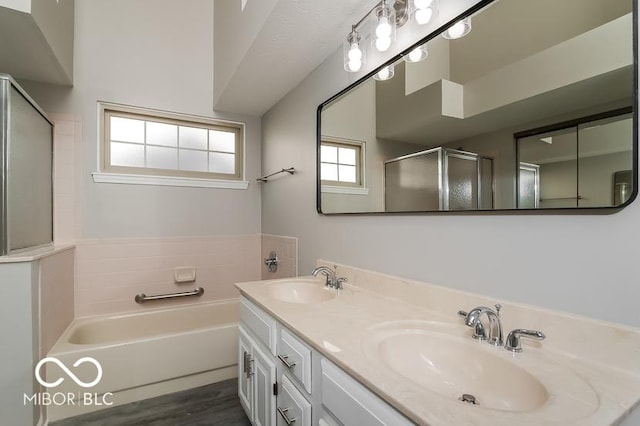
x=453 y=367
x=300 y=290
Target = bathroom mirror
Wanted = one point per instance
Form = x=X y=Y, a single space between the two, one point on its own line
x=531 y=110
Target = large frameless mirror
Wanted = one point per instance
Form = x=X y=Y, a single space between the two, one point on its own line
x=533 y=109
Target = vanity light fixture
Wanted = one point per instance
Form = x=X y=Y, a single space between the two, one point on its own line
x=418 y=54
x=387 y=16
x=386 y=73
x=458 y=30
x=423 y=10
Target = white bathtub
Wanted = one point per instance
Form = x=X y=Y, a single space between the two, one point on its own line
x=144 y=355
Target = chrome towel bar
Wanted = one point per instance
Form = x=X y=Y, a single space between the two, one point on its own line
x=265 y=179
x=141 y=298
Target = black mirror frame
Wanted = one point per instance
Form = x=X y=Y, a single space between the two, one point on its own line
x=556 y=211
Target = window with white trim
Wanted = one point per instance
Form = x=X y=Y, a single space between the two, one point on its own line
x=138 y=141
x=341 y=163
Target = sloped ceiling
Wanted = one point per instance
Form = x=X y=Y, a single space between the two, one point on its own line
x=280 y=43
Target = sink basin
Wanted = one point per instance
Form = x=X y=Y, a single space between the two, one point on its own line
x=300 y=290
x=452 y=366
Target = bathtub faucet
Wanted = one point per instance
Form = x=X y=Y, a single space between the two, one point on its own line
x=331 y=279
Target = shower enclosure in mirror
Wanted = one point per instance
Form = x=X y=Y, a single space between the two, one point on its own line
x=26 y=162
x=540 y=94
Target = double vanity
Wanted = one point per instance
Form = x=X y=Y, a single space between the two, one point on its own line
x=378 y=350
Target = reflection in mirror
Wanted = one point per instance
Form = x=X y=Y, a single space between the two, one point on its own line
x=577 y=164
x=439 y=134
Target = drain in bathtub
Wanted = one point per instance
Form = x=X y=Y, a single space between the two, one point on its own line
x=468 y=398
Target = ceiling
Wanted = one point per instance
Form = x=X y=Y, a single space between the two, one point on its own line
x=294 y=37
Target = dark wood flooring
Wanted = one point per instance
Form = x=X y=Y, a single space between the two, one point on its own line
x=211 y=405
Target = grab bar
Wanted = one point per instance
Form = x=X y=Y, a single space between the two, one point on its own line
x=141 y=298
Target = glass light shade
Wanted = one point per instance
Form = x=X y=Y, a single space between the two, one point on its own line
x=458 y=30
x=383 y=27
x=354 y=53
x=418 y=54
x=385 y=73
x=423 y=11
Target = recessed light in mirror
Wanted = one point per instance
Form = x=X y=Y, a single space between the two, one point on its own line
x=385 y=73
x=458 y=30
x=418 y=54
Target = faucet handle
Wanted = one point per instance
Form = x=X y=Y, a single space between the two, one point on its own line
x=340 y=283
x=513 y=338
x=498 y=307
x=463 y=314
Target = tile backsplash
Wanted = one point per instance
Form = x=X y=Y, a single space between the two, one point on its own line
x=110 y=272
x=287 y=250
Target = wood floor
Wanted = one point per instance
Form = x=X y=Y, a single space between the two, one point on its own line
x=212 y=405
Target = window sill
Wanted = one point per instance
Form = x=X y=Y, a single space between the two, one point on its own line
x=99 y=177
x=344 y=190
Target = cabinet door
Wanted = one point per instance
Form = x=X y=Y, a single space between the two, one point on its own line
x=244 y=376
x=264 y=377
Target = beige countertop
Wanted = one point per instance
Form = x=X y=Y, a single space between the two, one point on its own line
x=586 y=384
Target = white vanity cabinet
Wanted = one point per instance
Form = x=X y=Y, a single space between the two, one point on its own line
x=256 y=365
x=310 y=389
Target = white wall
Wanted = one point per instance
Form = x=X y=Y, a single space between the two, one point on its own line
x=156 y=54
x=581 y=263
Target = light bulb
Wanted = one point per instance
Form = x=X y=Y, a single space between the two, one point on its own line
x=456 y=30
x=383 y=30
x=423 y=16
x=355 y=54
x=383 y=43
x=417 y=54
x=422 y=4
x=354 y=66
x=384 y=73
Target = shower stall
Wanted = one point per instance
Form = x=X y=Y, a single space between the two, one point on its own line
x=439 y=179
x=26 y=171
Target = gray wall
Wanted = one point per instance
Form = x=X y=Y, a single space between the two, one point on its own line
x=155 y=54
x=577 y=263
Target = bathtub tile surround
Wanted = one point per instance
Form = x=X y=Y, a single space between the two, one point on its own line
x=67 y=172
x=110 y=272
x=56 y=297
x=589 y=367
x=287 y=250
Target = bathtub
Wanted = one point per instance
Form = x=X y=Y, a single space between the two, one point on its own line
x=143 y=355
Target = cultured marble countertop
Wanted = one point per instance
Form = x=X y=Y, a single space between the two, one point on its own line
x=600 y=388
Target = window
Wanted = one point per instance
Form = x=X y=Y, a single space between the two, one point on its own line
x=341 y=163
x=144 y=142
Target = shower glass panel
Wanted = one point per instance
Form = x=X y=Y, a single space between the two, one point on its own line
x=529 y=184
x=26 y=193
x=438 y=179
x=462 y=175
x=584 y=163
x=603 y=151
x=555 y=154
x=414 y=182
x=486 y=183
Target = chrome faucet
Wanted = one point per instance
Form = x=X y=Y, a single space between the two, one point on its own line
x=331 y=279
x=473 y=319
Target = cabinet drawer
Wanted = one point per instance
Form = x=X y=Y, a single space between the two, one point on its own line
x=352 y=403
x=260 y=323
x=292 y=407
x=296 y=358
